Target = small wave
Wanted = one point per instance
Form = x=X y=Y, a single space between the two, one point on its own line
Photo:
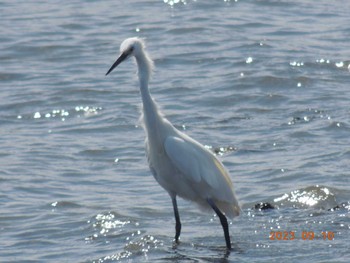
x=314 y=196
x=308 y=115
x=64 y=204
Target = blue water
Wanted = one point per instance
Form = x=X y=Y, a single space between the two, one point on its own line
x=264 y=84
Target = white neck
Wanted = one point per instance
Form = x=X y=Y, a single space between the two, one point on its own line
x=150 y=111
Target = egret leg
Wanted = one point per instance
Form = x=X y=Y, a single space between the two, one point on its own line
x=223 y=221
x=177 y=219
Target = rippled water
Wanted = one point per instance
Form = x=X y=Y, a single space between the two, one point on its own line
x=264 y=84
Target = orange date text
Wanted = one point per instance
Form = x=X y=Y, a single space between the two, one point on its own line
x=304 y=235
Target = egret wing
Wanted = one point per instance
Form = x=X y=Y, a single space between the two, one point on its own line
x=196 y=162
x=184 y=157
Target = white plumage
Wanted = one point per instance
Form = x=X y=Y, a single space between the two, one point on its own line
x=181 y=165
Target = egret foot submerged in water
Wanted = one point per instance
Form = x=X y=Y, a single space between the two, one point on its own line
x=181 y=165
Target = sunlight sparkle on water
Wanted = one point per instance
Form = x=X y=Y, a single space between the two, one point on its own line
x=322 y=60
x=63 y=113
x=37 y=115
x=339 y=64
x=296 y=64
x=174 y=2
x=306 y=197
x=249 y=60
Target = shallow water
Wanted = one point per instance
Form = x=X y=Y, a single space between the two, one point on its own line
x=264 y=84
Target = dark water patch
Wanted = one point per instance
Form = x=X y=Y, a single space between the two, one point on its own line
x=74 y=26
x=341 y=207
x=187 y=30
x=10 y=77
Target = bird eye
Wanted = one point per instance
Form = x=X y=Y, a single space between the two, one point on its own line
x=131 y=49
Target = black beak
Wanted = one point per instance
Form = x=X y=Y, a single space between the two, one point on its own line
x=121 y=58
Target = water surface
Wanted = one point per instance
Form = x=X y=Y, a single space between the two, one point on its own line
x=264 y=84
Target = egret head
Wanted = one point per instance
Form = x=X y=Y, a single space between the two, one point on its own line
x=130 y=47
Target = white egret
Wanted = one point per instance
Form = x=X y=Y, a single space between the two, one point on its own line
x=181 y=165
